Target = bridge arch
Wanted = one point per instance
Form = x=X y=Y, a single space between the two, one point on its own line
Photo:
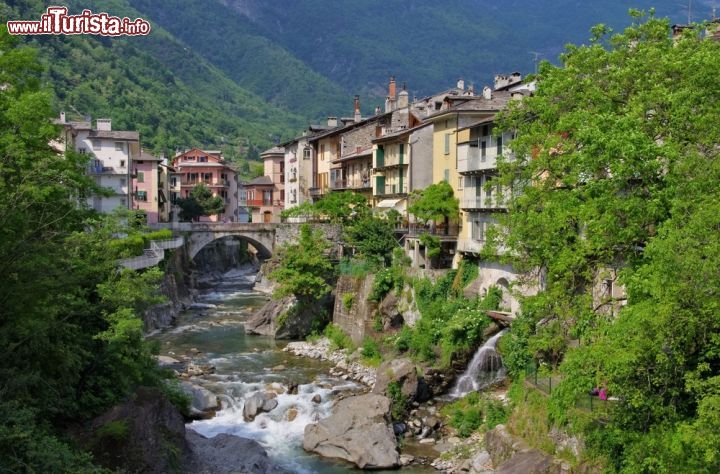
x=263 y=252
x=262 y=239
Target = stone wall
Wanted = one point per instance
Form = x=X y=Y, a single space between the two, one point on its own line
x=357 y=320
x=285 y=233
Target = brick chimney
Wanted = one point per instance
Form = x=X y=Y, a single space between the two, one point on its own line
x=391 y=100
x=104 y=125
x=358 y=117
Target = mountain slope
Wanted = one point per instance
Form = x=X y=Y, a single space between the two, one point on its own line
x=231 y=42
x=429 y=43
x=155 y=85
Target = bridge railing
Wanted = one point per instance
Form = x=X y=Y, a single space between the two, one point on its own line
x=173 y=243
x=151 y=257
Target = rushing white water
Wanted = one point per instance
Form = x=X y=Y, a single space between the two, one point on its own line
x=484 y=369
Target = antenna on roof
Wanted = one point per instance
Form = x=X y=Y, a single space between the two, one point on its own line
x=536 y=56
x=688 y=5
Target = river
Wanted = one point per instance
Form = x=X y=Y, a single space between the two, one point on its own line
x=244 y=364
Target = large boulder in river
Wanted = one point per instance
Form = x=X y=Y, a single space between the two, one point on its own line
x=203 y=402
x=257 y=403
x=225 y=454
x=358 y=431
x=285 y=319
x=403 y=373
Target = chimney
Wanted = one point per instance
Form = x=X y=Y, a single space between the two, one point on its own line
x=403 y=97
x=104 y=125
x=332 y=122
x=358 y=117
x=487 y=93
x=461 y=84
x=62 y=117
x=471 y=90
x=377 y=109
x=391 y=88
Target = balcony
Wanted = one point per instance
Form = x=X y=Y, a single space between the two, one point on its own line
x=390 y=161
x=98 y=169
x=219 y=183
x=472 y=161
x=439 y=230
x=483 y=203
x=392 y=190
x=469 y=245
x=264 y=203
x=358 y=183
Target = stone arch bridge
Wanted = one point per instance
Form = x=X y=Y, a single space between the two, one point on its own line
x=266 y=238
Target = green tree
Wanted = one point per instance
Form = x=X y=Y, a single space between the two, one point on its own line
x=372 y=238
x=201 y=202
x=434 y=203
x=304 y=269
x=70 y=334
x=343 y=207
x=616 y=161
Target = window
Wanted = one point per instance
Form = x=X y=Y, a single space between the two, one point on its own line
x=488 y=188
x=477 y=231
x=447 y=144
x=141 y=195
x=282 y=195
x=122 y=163
x=483 y=151
x=306 y=153
x=447 y=176
x=322 y=151
x=267 y=198
x=485 y=130
x=173 y=181
x=460 y=182
x=96 y=144
x=202 y=159
x=499 y=145
x=140 y=177
x=119 y=146
x=123 y=182
x=82 y=150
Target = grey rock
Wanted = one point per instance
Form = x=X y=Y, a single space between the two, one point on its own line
x=225 y=454
x=358 y=431
x=201 y=399
x=258 y=403
x=401 y=371
x=531 y=461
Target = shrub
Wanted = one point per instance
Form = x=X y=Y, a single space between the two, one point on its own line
x=402 y=343
x=338 y=338
x=347 y=300
x=398 y=402
x=371 y=352
x=382 y=285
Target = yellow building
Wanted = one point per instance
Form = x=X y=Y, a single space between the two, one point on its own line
x=451 y=127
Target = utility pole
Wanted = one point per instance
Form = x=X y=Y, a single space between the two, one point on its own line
x=536 y=56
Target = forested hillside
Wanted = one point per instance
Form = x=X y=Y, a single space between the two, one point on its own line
x=155 y=85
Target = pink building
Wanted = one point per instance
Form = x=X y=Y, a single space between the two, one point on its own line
x=145 y=193
x=208 y=167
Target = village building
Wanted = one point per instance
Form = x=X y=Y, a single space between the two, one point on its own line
x=146 y=196
x=194 y=167
x=111 y=154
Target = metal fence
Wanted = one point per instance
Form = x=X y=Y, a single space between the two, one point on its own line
x=547 y=383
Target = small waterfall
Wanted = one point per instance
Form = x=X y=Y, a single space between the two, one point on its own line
x=485 y=369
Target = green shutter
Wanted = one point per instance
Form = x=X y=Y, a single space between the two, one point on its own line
x=380 y=157
x=140 y=177
x=379 y=185
x=402 y=152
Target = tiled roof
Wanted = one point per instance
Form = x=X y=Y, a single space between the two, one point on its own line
x=145 y=156
x=260 y=181
x=498 y=102
x=119 y=135
x=276 y=150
